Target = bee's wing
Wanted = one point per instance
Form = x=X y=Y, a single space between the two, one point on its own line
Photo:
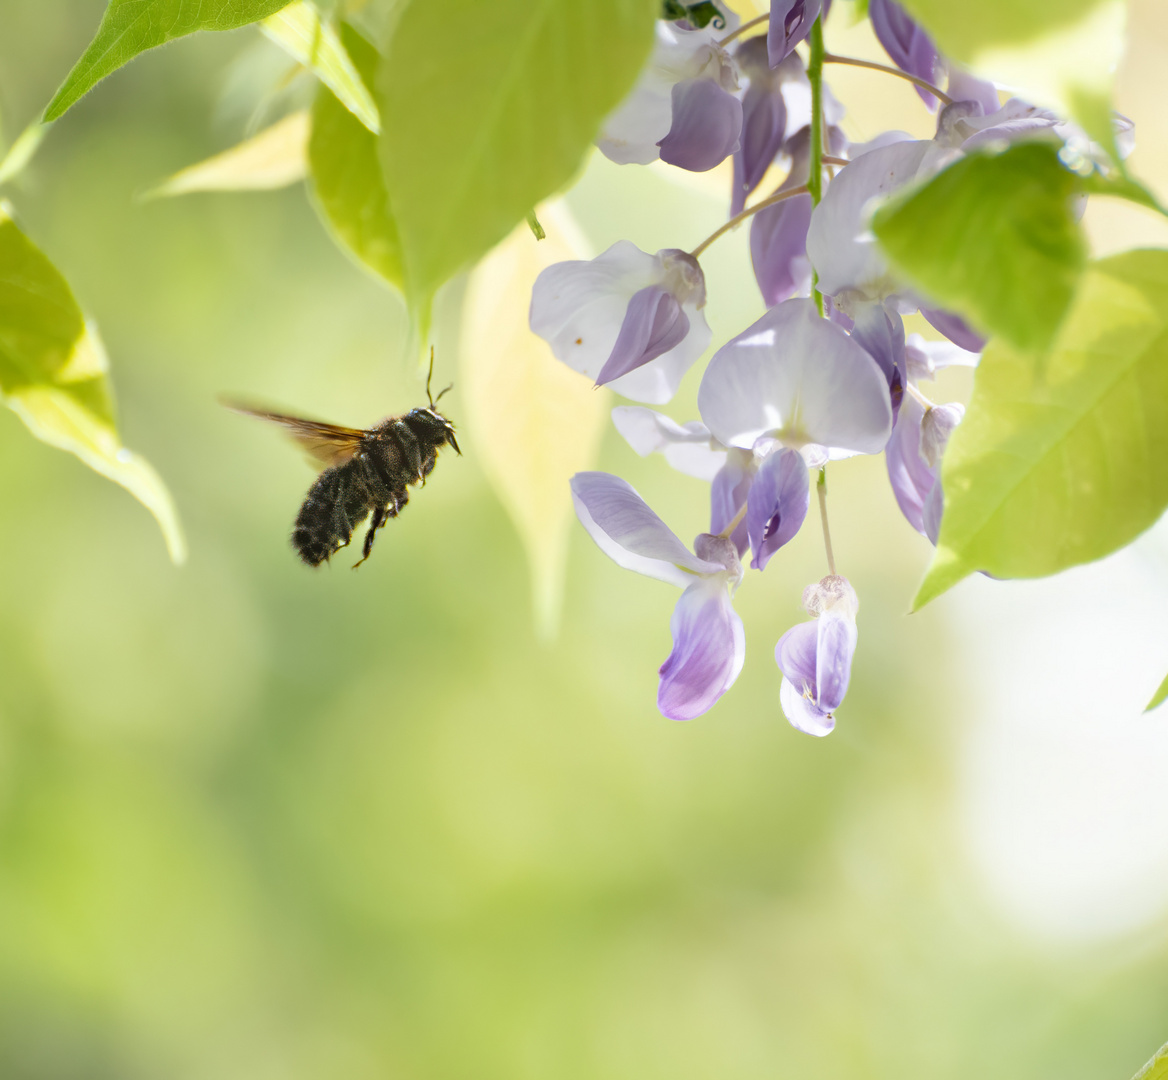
x=329 y=444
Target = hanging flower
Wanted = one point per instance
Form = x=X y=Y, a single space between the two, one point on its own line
x=709 y=646
x=625 y=318
x=815 y=657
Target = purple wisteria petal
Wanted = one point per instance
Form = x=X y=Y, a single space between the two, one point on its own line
x=936 y=427
x=729 y=491
x=795 y=655
x=910 y=476
x=802 y=714
x=707 y=125
x=931 y=512
x=955 y=328
x=630 y=534
x=798 y=378
x=790 y=23
x=688 y=447
x=911 y=49
x=777 y=504
x=653 y=324
x=778 y=249
x=839 y=242
x=963 y=86
x=880 y=330
x=764 y=127
x=709 y=648
x=834 y=648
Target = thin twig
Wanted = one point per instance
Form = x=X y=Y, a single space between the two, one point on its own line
x=940 y=95
x=738 y=219
x=750 y=24
x=726 y=533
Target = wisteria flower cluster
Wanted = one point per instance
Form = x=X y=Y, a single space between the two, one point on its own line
x=827 y=373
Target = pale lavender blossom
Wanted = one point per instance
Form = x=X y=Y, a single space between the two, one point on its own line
x=683 y=108
x=709 y=645
x=625 y=318
x=799 y=380
x=815 y=657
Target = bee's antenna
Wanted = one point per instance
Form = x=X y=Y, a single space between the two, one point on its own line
x=439 y=397
x=429 y=377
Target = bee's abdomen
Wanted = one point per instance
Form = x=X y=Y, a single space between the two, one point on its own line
x=336 y=504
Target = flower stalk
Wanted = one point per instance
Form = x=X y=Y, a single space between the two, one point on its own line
x=924 y=84
x=821 y=490
x=750 y=211
x=815 y=177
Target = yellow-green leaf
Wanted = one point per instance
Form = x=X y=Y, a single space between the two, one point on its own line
x=488 y=109
x=1058 y=53
x=54 y=376
x=299 y=30
x=533 y=421
x=1157 y=1068
x=1063 y=455
x=1158 y=698
x=130 y=27
x=275 y=158
x=347 y=184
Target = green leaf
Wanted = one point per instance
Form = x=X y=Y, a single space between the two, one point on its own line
x=54 y=376
x=274 y=158
x=347 y=182
x=1122 y=187
x=299 y=31
x=1158 y=698
x=489 y=109
x=533 y=421
x=1060 y=458
x=130 y=27
x=1157 y=1068
x=1057 y=53
x=1009 y=216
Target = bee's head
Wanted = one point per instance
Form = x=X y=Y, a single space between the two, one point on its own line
x=432 y=425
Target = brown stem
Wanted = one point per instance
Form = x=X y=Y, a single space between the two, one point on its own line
x=750 y=211
x=749 y=25
x=940 y=95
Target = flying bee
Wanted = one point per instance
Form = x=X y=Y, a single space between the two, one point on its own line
x=367 y=472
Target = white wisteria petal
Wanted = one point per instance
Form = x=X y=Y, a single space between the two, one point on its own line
x=630 y=534
x=925 y=357
x=688 y=447
x=839 y=242
x=798 y=378
x=802 y=714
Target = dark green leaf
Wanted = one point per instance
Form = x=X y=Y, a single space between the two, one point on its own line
x=130 y=27
x=993 y=237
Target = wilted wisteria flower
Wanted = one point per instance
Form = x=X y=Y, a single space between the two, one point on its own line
x=815 y=657
x=625 y=318
x=683 y=109
x=709 y=645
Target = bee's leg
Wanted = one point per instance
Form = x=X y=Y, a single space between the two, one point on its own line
x=375 y=523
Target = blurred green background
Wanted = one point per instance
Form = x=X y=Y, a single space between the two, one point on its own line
x=259 y=822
